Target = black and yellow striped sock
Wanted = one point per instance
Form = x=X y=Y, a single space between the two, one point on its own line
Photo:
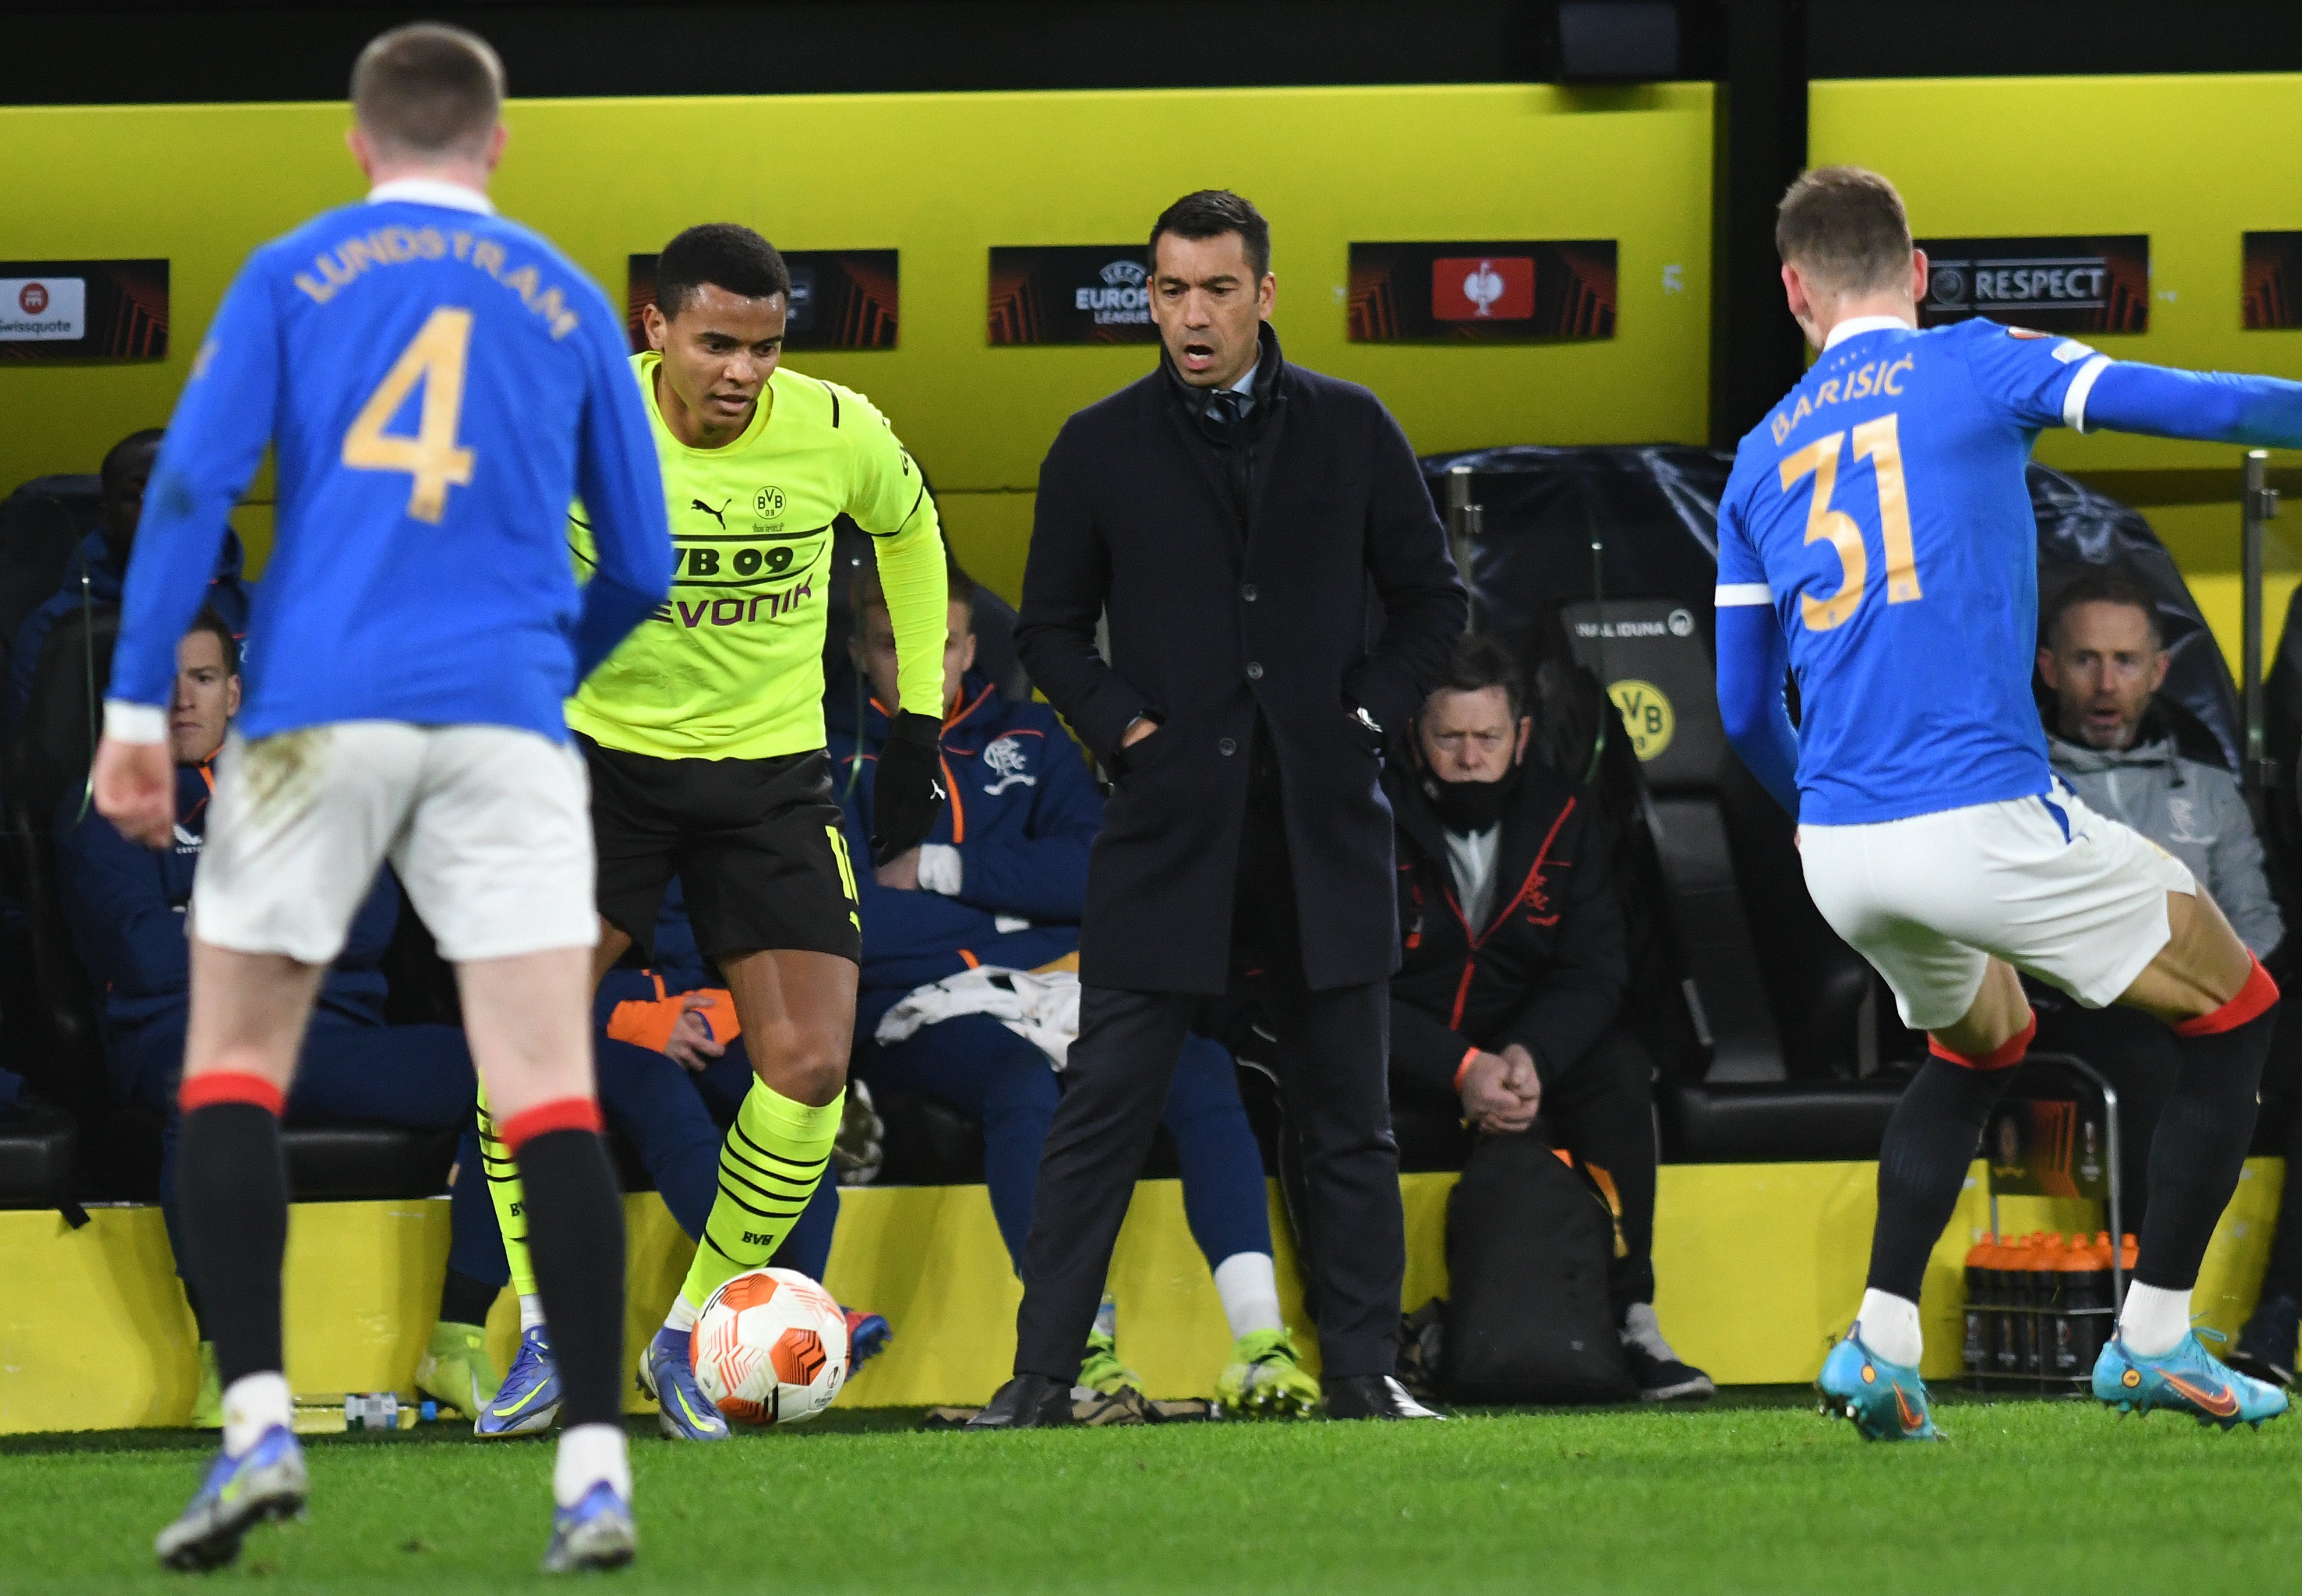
x=770 y=1167
x=511 y=1199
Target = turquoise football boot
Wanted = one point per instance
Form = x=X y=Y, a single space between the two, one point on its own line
x=2188 y=1380
x=596 y=1532
x=528 y=1400
x=1885 y=1402
x=266 y=1483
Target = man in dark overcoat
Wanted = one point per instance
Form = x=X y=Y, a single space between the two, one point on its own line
x=1235 y=522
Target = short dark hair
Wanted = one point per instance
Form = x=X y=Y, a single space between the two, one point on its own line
x=115 y=458
x=726 y=254
x=1478 y=663
x=1845 y=226
x=428 y=89
x=2109 y=586
x=216 y=627
x=1211 y=212
x=867 y=590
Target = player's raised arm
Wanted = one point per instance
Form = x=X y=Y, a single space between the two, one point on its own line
x=1753 y=661
x=622 y=487
x=890 y=500
x=216 y=439
x=2038 y=380
x=2220 y=407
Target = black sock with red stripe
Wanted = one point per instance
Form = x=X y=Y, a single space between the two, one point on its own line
x=2199 y=1147
x=576 y=1242
x=1930 y=1144
x=231 y=1189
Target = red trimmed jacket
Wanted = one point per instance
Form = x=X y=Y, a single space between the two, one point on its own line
x=1546 y=971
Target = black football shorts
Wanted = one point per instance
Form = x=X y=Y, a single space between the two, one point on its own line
x=756 y=843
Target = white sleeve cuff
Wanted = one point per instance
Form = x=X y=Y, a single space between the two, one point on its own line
x=2074 y=396
x=940 y=869
x=1733 y=593
x=126 y=722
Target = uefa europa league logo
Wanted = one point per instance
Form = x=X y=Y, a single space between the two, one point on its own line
x=1482 y=287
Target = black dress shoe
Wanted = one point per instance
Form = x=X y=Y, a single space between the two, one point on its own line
x=1027 y=1402
x=1371 y=1396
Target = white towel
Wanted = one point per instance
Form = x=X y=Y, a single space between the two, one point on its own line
x=1041 y=1009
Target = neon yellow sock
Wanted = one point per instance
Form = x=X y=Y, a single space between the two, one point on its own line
x=769 y=1168
x=511 y=1202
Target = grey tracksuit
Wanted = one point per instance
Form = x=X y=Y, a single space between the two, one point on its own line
x=2194 y=811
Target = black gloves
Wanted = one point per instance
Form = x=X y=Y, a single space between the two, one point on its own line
x=907 y=793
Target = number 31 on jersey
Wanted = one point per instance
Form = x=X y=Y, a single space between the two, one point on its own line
x=435 y=356
x=1879 y=441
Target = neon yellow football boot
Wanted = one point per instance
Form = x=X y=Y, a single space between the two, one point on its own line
x=456 y=1371
x=207 y=1403
x=1264 y=1379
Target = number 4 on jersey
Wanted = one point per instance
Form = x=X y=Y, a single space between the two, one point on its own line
x=434 y=357
x=1880 y=441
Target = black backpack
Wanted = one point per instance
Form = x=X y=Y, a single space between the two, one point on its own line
x=1529 y=1245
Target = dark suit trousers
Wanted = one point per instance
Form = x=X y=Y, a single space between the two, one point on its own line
x=1332 y=1051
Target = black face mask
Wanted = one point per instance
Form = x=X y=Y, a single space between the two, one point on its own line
x=1467 y=807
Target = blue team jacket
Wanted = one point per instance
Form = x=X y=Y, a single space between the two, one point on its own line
x=1023 y=813
x=125 y=906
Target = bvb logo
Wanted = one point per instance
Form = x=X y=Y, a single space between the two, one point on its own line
x=1647 y=715
x=769 y=501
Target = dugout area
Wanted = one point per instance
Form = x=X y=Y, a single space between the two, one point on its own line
x=1759 y=1264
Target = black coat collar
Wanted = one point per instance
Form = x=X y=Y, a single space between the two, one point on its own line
x=1268 y=391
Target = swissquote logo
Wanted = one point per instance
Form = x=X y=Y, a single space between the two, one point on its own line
x=1482 y=287
x=1125 y=299
x=43 y=310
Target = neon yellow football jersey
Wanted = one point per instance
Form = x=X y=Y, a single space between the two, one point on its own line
x=731 y=666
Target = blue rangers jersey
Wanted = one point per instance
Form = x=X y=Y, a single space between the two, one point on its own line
x=1881 y=514
x=436 y=384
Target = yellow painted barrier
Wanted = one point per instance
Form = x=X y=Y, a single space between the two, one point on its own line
x=1759 y=1267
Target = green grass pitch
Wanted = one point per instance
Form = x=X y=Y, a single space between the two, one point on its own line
x=1753 y=1493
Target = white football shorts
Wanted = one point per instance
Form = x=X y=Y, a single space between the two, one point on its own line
x=2045 y=883
x=490 y=828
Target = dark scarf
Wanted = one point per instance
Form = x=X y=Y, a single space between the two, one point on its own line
x=1216 y=410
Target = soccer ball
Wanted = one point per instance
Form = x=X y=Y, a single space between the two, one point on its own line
x=770 y=1348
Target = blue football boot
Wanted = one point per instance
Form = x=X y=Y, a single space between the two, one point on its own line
x=1886 y=1401
x=528 y=1400
x=868 y=1335
x=266 y=1483
x=668 y=1375
x=596 y=1532
x=2189 y=1379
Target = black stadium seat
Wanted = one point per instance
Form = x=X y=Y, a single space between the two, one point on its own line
x=41 y=523
x=37 y=1142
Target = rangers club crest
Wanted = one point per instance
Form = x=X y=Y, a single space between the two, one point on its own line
x=1004 y=758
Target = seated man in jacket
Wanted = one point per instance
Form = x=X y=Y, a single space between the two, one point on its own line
x=1000 y=886
x=125 y=906
x=2103 y=656
x=1504 y=1005
x=101 y=558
